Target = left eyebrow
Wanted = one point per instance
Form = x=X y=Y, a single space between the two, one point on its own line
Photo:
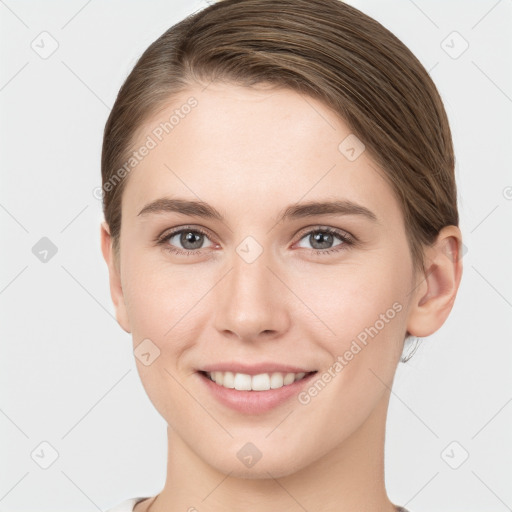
x=337 y=207
x=294 y=211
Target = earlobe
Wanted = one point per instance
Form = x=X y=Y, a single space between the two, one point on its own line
x=116 y=289
x=435 y=295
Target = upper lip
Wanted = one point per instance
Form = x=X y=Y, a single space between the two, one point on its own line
x=253 y=369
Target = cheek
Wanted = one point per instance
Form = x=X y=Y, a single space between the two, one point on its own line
x=363 y=321
x=161 y=304
x=157 y=295
x=366 y=312
x=348 y=301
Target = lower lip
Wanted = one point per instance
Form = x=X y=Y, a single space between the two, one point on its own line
x=254 y=402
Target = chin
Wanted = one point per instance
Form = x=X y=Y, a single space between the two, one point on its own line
x=277 y=464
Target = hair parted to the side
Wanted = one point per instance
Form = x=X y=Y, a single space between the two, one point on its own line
x=322 y=48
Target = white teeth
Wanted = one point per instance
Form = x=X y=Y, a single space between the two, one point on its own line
x=276 y=380
x=227 y=380
x=289 y=378
x=260 y=382
x=242 y=382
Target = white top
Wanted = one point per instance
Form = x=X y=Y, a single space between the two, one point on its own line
x=128 y=505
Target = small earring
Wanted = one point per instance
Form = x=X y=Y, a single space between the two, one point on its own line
x=411 y=351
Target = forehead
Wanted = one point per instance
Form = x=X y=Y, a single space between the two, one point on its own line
x=256 y=148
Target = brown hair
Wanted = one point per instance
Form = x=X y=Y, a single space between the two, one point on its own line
x=322 y=48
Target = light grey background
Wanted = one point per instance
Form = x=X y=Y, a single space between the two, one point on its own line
x=68 y=376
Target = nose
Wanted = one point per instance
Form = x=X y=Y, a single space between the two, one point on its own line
x=251 y=301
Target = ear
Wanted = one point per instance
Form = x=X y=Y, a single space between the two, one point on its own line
x=116 y=289
x=434 y=296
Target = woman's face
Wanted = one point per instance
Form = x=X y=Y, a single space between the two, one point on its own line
x=266 y=284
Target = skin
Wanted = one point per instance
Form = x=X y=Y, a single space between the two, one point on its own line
x=250 y=152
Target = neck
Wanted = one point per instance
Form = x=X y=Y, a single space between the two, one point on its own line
x=350 y=477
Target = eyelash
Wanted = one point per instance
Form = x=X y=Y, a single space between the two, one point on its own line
x=346 y=239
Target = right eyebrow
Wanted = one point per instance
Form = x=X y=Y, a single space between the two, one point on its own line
x=184 y=206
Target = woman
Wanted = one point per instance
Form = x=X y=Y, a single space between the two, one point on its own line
x=280 y=216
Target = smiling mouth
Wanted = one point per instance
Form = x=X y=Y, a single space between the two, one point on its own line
x=259 y=382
